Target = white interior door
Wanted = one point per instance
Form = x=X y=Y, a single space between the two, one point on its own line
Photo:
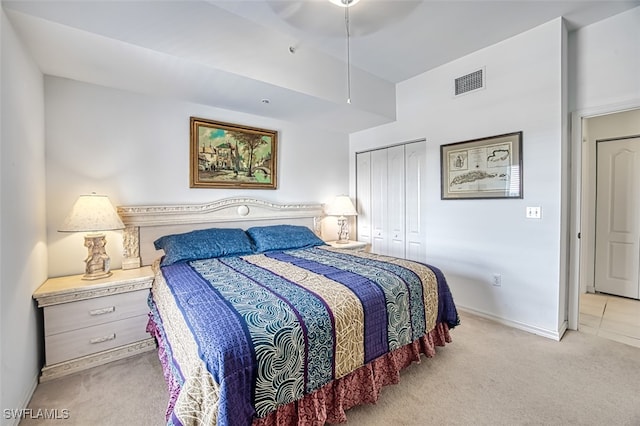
x=617 y=254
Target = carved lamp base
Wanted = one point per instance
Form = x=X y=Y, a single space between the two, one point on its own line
x=343 y=230
x=98 y=262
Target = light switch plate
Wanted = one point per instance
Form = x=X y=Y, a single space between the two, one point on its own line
x=534 y=212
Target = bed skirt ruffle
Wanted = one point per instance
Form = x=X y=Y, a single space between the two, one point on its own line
x=329 y=403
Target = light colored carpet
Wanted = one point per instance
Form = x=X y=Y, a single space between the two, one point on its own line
x=490 y=375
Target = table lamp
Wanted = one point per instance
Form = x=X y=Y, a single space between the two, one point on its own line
x=93 y=214
x=342 y=207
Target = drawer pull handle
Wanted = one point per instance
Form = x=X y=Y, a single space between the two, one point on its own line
x=102 y=311
x=102 y=339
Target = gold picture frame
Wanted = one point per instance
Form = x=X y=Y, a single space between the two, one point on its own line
x=482 y=168
x=226 y=155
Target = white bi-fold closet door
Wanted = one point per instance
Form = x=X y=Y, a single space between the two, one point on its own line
x=390 y=199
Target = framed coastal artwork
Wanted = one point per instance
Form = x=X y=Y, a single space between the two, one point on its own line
x=489 y=167
x=226 y=155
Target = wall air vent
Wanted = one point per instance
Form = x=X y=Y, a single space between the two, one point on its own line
x=470 y=82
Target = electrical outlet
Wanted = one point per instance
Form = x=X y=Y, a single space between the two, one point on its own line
x=497 y=280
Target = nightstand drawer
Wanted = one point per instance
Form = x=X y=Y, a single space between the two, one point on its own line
x=87 y=313
x=73 y=344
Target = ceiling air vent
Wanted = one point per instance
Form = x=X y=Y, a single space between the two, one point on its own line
x=470 y=82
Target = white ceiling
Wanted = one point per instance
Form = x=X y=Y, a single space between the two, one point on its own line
x=233 y=54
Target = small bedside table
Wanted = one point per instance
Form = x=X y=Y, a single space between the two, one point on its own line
x=90 y=323
x=351 y=245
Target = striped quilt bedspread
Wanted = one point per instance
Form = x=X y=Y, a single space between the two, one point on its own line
x=248 y=334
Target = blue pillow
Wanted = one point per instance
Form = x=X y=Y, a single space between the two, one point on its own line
x=282 y=237
x=203 y=244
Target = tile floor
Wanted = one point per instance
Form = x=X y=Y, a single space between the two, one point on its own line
x=611 y=317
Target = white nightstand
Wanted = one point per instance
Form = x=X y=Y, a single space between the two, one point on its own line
x=351 y=245
x=90 y=323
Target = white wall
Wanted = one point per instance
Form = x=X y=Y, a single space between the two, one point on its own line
x=135 y=149
x=23 y=260
x=470 y=240
x=605 y=62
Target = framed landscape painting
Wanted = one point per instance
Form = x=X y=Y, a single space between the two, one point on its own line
x=482 y=168
x=225 y=155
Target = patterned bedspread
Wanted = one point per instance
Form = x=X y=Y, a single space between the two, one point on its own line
x=248 y=334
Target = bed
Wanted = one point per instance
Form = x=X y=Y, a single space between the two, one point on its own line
x=259 y=322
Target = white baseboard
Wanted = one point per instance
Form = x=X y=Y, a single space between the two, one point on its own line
x=550 y=334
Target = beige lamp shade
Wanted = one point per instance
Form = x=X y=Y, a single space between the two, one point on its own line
x=92 y=213
x=342 y=206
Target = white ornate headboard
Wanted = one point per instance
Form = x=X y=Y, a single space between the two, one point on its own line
x=144 y=224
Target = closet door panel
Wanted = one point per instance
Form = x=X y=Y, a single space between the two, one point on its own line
x=363 y=196
x=379 y=202
x=415 y=203
x=395 y=201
